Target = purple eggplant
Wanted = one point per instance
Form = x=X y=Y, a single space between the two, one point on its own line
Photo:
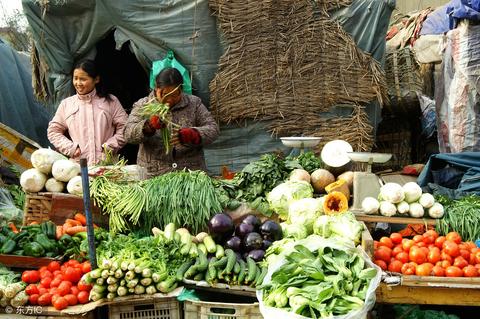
x=266 y=243
x=234 y=243
x=243 y=229
x=221 y=227
x=257 y=254
x=271 y=230
x=252 y=220
x=252 y=241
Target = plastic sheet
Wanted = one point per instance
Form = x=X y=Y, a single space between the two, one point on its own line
x=8 y=211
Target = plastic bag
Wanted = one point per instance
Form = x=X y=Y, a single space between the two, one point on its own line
x=312 y=245
x=8 y=211
x=171 y=62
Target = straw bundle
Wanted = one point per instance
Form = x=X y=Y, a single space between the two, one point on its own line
x=287 y=62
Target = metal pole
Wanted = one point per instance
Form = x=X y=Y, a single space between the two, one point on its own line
x=88 y=212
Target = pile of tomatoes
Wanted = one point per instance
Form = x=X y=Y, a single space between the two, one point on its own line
x=428 y=255
x=58 y=285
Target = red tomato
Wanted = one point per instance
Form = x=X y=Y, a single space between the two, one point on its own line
x=465 y=254
x=45 y=282
x=33 y=299
x=417 y=255
x=453 y=271
x=383 y=253
x=31 y=289
x=64 y=288
x=71 y=299
x=385 y=241
x=432 y=233
x=71 y=262
x=438 y=271
x=403 y=257
x=57 y=272
x=74 y=290
x=477 y=266
x=395 y=266
x=460 y=262
x=380 y=263
x=434 y=255
x=418 y=238
x=86 y=267
x=45 y=274
x=428 y=239
x=55 y=296
x=445 y=263
x=421 y=244
x=409 y=268
x=83 y=295
x=454 y=236
x=424 y=269
x=45 y=299
x=439 y=241
x=407 y=244
x=30 y=276
x=451 y=248
x=55 y=282
x=470 y=271
x=82 y=286
x=396 y=238
x=73 y=274
x=60 y=303
x=54 y=291
x=42 y=269
x=396 y=250
x=54 y=265
x=42 y=290
x=471 y=246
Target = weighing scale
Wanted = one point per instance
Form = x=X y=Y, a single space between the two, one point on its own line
x=300 y=142
x=366 y=184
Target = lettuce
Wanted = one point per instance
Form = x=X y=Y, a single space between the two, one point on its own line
x=297 y=231
x=304 y=212
x=280 y=197
x=342 y=225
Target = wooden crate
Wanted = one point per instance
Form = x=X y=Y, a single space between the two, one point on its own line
x=25 y=262
x=15 y=148
x=57 y=207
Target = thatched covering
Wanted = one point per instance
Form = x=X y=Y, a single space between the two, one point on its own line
x=286 y=61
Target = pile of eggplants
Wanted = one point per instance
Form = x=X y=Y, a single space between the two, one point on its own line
x=250 y=238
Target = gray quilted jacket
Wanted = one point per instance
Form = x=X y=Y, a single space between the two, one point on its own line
x=189 y=112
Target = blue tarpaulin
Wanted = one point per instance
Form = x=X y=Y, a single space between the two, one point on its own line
x=463 y=9
x=18 y=107
x=437 y=22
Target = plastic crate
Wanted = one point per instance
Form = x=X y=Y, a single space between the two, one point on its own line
x=149 y=308
x=217 y=310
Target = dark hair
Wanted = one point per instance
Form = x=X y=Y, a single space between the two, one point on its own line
x=168 y=77
x=90 y=67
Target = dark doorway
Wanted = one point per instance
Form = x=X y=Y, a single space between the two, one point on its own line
x=124 y=77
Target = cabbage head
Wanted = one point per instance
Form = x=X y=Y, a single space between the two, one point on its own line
x=296 y=231
x=341 y=225
x=280 y=197
x=304 y=212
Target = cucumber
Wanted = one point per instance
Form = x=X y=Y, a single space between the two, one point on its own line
x=221 y=263
x=209 y=244
x=242 y=273
x=259 y=280
x=236 y=268
x=199 y=277
x=220 y=252
x=231 y=260
x=211 y=271
x=252 y=270
x=182 y=270
x=202 y=248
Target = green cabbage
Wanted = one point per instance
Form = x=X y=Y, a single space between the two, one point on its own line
x=342 y=225
x=304 y=212
x=297 y=231
x=280 y=197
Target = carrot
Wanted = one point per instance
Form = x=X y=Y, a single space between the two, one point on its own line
x=34 y=223
x=73 y=221
x=75 y=229
x=81 y=218
x=67 y=225
x=59 y=232
x=13 y=227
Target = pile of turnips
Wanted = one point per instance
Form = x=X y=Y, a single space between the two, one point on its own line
x=51 y=172
x=408 y=199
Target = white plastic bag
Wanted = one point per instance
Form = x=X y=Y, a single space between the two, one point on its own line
x=271 y=313
x=8 y=211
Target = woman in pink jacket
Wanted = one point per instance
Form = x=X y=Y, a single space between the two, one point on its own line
x=89 y=122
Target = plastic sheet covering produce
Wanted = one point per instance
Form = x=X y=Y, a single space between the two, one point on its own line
x=18 y=107
x=8 y=211
x=457 y=95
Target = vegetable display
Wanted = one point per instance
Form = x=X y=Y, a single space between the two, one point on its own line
x=282 y=195
x=428 y=255
x=320 y=279
x=11 y=289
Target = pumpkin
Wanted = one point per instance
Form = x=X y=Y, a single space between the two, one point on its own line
x=339 y=186
x=348 y=177
x=335 y=203
x=321 y=178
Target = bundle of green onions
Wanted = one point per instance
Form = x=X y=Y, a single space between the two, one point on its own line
x=153 y=107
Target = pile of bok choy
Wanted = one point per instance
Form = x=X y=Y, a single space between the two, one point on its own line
x=331 y=280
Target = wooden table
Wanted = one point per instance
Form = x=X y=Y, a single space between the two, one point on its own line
x=394 y=220
x=432 y=291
